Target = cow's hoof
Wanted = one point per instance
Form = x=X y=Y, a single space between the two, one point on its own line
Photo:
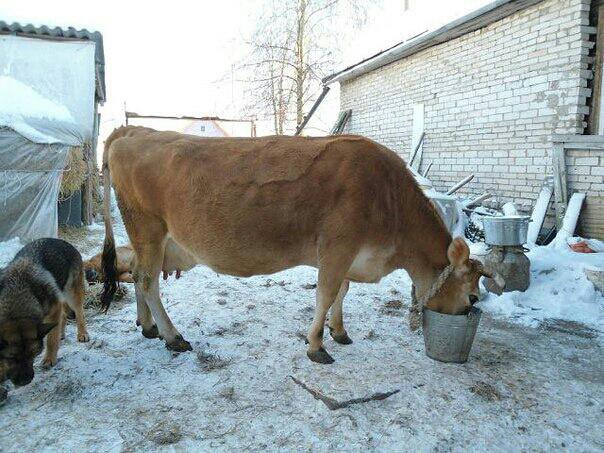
x=179 y=344
x=151 y=332
x=341 y=338
x=320 y=356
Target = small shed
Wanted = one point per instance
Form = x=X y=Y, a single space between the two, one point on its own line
x=51 y=82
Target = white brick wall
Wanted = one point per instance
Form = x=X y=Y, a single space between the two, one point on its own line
x=492 y=99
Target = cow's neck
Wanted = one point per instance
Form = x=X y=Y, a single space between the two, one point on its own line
x=423 y=245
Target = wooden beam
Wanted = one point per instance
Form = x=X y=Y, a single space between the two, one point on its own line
x=190 y=118
x=579 y=141
x=417 y=146
x=593 y=120
x=341 y=122
x=460 y=184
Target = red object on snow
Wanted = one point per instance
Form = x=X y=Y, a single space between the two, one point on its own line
x=581 y=247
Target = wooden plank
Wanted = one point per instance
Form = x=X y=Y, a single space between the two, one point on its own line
x=560 y=188
x=476 y=201
x=417 y=145
x=460 y=184
x=594 y=119
x=425 y=175
x=340 y=124
x=579 y=141
x=192 y=118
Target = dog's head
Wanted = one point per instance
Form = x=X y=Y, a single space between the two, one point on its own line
x=21 y=340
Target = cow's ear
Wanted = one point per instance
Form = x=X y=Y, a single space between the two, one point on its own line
x=458 y=252
x=45 y=327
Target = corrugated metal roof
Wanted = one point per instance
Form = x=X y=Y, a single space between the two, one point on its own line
x=44 y=32
x=480 y=18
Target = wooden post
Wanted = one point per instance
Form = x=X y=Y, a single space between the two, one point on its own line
x=560 y=188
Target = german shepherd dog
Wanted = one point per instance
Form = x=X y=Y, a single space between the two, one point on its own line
x=45 y=275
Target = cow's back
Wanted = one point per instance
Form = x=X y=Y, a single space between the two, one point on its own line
x=250 y=203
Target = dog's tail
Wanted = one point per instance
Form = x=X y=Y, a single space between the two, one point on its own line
x=109 y=259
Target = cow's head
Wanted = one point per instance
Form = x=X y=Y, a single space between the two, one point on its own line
x=460 y=289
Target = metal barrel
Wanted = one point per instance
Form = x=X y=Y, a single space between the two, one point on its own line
x=505 y=230
x=449 y=338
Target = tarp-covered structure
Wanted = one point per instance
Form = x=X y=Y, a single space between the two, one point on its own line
x=50 y=84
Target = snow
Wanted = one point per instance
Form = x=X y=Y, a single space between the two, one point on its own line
x=538 y=214
x=559 y=290
x=20 y=102
x=523 y=388
x=569 y=222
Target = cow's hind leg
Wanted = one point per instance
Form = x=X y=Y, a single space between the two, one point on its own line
x=149 y=258
x=336 y=319
x=143 y=315
x=332 y=271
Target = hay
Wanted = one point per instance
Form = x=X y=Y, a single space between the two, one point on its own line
x=93 y=295
x=76 y=171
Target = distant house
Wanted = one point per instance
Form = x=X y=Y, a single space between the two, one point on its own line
x=508 y=93
x=51 y=82
x=205 y=128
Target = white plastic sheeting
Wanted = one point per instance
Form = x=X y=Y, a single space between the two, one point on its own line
x=47 y=91
x=29 y=188
x=49 y=82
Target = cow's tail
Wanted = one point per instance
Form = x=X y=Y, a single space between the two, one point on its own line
x=109 y=260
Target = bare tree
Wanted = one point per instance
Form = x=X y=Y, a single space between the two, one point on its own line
x=295 y=44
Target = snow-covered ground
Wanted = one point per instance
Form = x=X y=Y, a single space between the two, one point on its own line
x=526 y=387
x=559 y=290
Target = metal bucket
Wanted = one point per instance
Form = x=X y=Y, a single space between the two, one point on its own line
x=505 y=230
x=448 y=338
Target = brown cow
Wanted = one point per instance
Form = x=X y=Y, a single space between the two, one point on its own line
x=249 y=206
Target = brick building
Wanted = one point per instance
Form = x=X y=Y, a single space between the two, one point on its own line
x=497 y=93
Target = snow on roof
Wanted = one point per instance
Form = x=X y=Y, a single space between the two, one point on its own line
x=19 y=100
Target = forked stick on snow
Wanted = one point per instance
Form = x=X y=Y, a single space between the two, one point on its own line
x=333 y=404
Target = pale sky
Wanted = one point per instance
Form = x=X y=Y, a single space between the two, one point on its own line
x=176 y=57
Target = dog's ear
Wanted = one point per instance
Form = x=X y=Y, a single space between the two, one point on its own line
x=45 y=327
x=3 y=344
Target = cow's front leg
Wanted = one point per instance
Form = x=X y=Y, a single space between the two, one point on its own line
x=336 y=318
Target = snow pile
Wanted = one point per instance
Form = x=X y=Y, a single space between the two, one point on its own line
x=559 y=289
x=20 y=102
